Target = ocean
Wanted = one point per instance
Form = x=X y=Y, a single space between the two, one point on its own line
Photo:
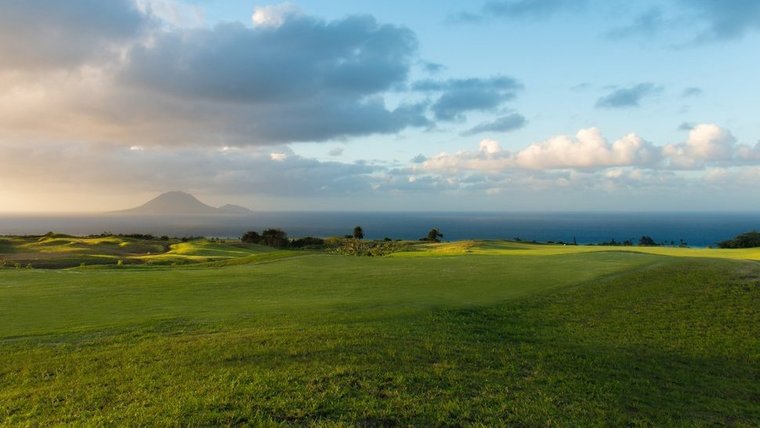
x=695 y=229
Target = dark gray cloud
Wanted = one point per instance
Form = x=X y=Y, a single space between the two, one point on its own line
x=43 y=34
x=324 y=118
x=628 y=97
x=145 y=117
x=459 y=96
x=303 y=79
x=507 y=123
x=301 y=58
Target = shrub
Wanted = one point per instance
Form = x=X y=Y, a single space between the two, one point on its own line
x=744 y=240
x=308 y=242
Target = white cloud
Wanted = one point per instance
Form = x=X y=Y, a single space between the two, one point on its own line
x=710 y=142
x=490 y=146
x=589 y=149
x=489 y=157
x=274 y=15
x=706 y=144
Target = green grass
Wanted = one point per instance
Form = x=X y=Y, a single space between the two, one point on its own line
x=469 y=333
x=54 y=251
x=519 y=248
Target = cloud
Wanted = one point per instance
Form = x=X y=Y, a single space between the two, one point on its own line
x=706 y=143
x=519 y=9
x=503 y=124
x=432 y=67
x=589 y=149
x=243 y=171
x=337 y=151
x=40 y=34
x=489 y=158
x=300 y=58
x=556 y=169
x=173 y=12
x=418 y=159
x=628 y=97
x=704 y=21
x=274 y=15
x=647 y=24
x=691 y=92
x=460 y=96
x=726 y=19
x=278 y=156
x=303 y=79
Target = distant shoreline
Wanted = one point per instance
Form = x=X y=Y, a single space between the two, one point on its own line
x=696 y=229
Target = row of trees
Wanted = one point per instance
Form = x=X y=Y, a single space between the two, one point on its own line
x=270 y=237
x=277 y=238
x=644 y=241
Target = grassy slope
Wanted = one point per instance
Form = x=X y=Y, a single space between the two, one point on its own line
x=527 y=249
x=580 y=339
x=62 y=251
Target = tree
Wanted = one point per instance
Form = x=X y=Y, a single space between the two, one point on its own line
x=744 y=240
x=274 y=238
x=647 y=241
x=358 y=233
x=434 y=235
x=251 y=236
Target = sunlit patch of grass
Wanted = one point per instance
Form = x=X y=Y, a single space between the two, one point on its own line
x=58 y=251
x=203 y=251
x=509 y=248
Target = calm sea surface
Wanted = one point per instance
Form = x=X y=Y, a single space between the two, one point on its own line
x=696 y=229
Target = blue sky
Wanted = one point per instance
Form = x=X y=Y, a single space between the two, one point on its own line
x=367 y=105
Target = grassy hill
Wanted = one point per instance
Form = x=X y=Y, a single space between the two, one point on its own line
x=442 y=334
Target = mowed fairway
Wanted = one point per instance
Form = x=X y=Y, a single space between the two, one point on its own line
x=450 y=334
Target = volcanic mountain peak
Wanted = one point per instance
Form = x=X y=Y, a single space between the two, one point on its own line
x=181 y=203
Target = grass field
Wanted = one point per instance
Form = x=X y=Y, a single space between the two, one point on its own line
x=465 y=333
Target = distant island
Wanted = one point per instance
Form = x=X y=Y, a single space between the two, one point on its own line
x=181 y=203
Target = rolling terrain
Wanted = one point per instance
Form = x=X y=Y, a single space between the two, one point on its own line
x=462 y=333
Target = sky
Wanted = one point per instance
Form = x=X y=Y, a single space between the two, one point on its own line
x=330 y=105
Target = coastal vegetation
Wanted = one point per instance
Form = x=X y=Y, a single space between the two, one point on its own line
x=744 y=240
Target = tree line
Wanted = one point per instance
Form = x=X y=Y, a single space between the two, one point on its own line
x=277 y=238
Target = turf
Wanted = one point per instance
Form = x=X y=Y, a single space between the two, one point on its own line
x=54 y=251
x=455 y=334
